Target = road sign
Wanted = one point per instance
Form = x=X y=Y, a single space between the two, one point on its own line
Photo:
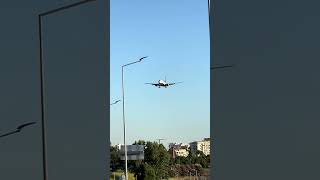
x=134 y=152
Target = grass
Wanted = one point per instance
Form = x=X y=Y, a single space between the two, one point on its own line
x=118 y=176
x=131 y=176
x=185 y=178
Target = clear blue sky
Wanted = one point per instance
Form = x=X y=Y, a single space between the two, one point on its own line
x=175 y=36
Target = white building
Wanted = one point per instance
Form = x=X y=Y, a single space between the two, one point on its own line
x=178 y=149
x=118 y=146
x=183 y=151
x=203 y=146
x=177 y=145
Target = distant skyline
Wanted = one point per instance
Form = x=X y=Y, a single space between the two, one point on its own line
x=179 y=31
x=164 y=142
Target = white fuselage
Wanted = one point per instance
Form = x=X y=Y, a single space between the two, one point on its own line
x=162 y=82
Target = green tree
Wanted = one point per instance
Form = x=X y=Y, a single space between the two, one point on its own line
x=199 y=158
x=155 y=164
x=182 y=160
x=149 y=172
x=115 y=162
x=140 y=142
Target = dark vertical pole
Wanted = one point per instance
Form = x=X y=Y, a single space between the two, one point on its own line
x=44 y=153
x=209 y=16
x=209 y=7
x=43 y=120
x=123 y=116
x=124 y=128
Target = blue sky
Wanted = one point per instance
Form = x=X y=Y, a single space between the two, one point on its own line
x=175 y=36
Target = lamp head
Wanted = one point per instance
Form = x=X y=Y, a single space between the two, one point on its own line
x=24 y=125
x=143 y=58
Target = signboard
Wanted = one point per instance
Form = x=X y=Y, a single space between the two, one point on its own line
x=134 y=152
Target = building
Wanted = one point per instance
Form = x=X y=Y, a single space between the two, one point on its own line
x=178 y=149
x=203 y=146
x=118 y=146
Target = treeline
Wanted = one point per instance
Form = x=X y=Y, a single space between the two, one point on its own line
x=159 y=164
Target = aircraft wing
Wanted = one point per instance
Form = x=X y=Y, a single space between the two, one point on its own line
x=169 y=84
x=154 y=84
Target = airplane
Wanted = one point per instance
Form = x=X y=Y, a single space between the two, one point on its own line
x=163 y=83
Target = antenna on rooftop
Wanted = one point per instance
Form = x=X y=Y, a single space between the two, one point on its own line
x=160 y=140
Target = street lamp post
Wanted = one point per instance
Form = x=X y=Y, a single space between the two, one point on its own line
x=209 y=7
x=43 y=110
x=220 y=67
x=18 y=129
x=123 y=116
x=115 y=102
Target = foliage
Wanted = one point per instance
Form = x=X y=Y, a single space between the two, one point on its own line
x=158 y=164
x=117 y=175
x=155 y=164
x=115 y=162
x=199 y=158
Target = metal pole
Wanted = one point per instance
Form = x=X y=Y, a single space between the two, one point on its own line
x=124 y=129
x=7 y=134
x=114 y=102
x=43 y=121
x=209 y=8
x=19 y=129
x=220 y=67
x=123 y=116
x=196 y=174
x=42 y=84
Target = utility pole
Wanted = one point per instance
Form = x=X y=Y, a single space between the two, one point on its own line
x=160 y=140
x=220 y=67
x=42 y=77
x=196 y=174
x=123 y=115
x=18 y=129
